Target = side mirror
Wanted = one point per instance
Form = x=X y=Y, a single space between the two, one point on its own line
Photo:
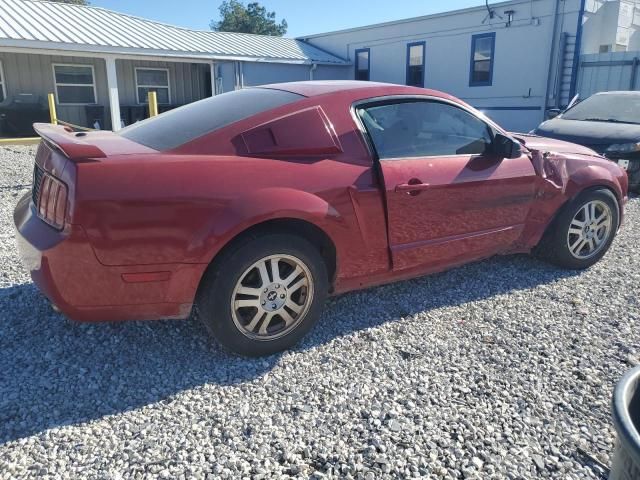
x=506 y=147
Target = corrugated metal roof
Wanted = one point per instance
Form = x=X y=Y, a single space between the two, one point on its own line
x=45 y=24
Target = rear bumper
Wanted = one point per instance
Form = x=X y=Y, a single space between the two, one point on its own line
x=64 y=267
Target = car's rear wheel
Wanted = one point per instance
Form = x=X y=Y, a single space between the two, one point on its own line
x=584 y=230
x=264 y=294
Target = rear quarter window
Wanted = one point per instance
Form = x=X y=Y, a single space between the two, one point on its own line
x=184 y=124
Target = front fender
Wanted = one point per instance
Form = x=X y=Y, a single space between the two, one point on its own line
x=570 y=174
x=267 y=204
x=589 y=176
x=563 y=178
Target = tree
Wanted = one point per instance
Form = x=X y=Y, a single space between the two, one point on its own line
x=73 y=2
x=253 y=18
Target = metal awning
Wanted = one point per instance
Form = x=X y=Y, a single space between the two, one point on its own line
x=48 y=25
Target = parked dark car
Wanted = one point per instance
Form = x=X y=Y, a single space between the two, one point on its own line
x=608 y=123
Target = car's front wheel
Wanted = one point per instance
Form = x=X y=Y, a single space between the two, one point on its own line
x=583 y=231
x=264 y=294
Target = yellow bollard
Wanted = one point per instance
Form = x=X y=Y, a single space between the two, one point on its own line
x=52 y=109
x=20 y=141
x=153 y=104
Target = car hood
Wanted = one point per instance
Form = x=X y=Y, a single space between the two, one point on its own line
x=599 y=135
x=544 y=144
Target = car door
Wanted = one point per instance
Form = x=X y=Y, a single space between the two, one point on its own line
x=449 y=199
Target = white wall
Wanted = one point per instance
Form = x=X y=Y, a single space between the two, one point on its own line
x=225 y=77
x=331 y=72
x=521 y=63
x=613 y=23
x=596 y=15
x=256 y=73
x=634 y=40
x=262 y=73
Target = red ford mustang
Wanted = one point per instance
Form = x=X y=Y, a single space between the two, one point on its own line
x=248 y=208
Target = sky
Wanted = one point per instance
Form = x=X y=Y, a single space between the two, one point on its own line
x=304 y=17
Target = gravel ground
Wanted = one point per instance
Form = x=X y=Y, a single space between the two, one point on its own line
x=501 y=369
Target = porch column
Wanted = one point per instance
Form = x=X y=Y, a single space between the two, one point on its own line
x=114 y=97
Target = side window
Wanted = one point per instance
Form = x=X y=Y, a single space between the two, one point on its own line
x=363 y=64
x=424 y=129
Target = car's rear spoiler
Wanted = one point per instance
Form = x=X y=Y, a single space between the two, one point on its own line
x=68 y=142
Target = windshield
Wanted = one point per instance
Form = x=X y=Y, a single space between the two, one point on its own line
x=179 y=126
x=622 y=108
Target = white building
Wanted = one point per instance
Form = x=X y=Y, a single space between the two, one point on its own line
x=611 y=26
x=513 y=61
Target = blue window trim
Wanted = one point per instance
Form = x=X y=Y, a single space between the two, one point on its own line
x=424 y=66
x=474 y=39
x=359 y=50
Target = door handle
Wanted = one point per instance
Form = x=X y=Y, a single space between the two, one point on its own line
x=412 y=188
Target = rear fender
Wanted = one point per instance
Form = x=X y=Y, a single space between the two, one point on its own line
x=269 y=204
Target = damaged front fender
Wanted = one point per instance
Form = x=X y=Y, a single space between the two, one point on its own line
x=562 y=177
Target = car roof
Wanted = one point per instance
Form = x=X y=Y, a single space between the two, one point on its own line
x=620 y=92
x=362 y=89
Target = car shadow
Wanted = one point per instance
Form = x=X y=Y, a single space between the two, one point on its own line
x=54 y=372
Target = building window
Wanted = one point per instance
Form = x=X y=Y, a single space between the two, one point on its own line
x=75 y=84
x=363 y=64
x=415 y=64
x=3 y=88
x=482 y=56
x=153 y=80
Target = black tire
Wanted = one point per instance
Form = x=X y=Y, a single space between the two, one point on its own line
x=214 y=300
x=555 y=244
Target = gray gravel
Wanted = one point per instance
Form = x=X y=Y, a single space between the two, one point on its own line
x=501 y=369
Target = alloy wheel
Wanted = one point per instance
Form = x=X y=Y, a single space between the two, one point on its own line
x=272 y=297
x=590 y=229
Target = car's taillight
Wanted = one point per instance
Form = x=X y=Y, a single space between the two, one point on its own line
x=52 y=201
